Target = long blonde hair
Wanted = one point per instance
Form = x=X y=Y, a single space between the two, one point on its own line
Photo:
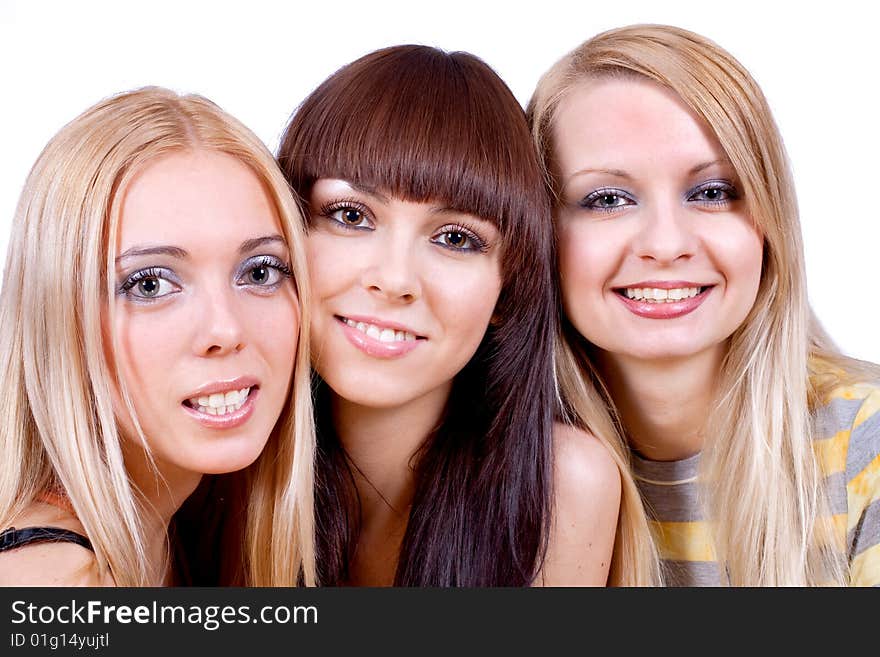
x=57 y=427
x=766 y=499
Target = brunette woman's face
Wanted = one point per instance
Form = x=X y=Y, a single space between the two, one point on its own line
x=403 y=292
x=658 y=254
x=207 y=317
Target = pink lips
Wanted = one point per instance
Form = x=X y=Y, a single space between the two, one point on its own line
x=374 y=347
x=228 y=420
x=666 y=310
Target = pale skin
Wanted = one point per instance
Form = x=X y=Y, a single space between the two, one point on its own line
x=650 y=200
x=435 y=274
x=200 y=243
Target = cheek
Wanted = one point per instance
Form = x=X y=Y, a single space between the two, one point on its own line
x=330 y=264
x=277 y=332
x=148 y=350
x=586 y=263
x=464 y=301
x=743 y=252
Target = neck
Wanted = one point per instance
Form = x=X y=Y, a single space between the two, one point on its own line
x=382 y=443
x=160 y=497
x=664 y=404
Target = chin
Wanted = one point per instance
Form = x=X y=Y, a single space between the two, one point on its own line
x=229 y=458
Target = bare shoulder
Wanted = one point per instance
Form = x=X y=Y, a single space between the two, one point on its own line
x=583 y=465
x=50 y=563
x=586 y=500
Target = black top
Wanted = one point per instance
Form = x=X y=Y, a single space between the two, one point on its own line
x=12 y=538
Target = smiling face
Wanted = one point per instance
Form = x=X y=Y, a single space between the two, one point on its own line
x=658 y=254
x=206 y=315
x=403 y=292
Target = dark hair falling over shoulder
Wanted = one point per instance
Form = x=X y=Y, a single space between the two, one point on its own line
x=423 y=124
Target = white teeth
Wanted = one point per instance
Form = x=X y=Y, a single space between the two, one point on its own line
x=381 y=334
x=221 y=403
x=658 y=295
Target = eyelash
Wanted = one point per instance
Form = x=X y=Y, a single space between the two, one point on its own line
x=159 y=273
x=720 y=185
x=327 y=211
x=480 y=244
x=594 y=196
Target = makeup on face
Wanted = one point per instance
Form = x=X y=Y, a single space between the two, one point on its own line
x=658 y=254
x=403 y=291
x=205 y=315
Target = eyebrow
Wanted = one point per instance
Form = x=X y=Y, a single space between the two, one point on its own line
x=250 y=245
x=183 y=254
x=617 y=173
x=705 y=165
x=366 y=189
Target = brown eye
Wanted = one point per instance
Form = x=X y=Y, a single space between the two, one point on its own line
x=456 y=239
x=347 y=215
x=351 y=216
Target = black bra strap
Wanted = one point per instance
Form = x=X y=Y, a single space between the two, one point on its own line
x=13 y=538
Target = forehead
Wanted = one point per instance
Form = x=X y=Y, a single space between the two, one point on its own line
x=619 y=123
x=195 y=196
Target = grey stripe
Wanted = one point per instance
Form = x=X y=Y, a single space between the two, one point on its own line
x=866 y=534
x=666 y=470
x=691 y=573
x=835 y=416
x=864 y=446
x=673 y=503
x=835 y=486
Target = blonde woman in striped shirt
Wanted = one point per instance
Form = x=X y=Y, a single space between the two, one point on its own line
x=752 y=443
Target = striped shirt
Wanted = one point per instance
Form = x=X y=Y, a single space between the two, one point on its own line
x=847 y=443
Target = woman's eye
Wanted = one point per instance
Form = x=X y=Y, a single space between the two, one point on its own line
x=458 y=239
x=264 y=271
x=148 y=285
x=262 y=275
x=718 y=192
x=607 y=200
x=348 y=216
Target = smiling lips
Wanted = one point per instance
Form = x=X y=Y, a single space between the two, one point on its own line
x=378 y=338
x=663 y=299
x=223 y=404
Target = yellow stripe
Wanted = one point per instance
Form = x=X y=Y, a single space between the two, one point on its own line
x=866 y=568
x=684 y=541
x=831 y=452
x=862 y=490
x=870 y=406
x=855 y=391
x=839 y=522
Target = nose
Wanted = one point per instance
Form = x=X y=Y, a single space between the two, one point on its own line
x=220 y=325
x=392 y=274
x=665 y=234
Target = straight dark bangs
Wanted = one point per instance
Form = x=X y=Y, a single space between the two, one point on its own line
x=422 y=125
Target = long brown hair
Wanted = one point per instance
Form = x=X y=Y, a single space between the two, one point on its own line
x=423 y=124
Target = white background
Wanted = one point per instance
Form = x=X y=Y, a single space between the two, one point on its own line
x=258 y=60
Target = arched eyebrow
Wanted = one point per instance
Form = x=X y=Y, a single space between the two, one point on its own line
x=251 y=245
x=705 y=165
x=173 y=251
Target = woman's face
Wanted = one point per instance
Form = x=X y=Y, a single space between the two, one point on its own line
x=658 y=255
x=403 y=292
x=207 y=317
